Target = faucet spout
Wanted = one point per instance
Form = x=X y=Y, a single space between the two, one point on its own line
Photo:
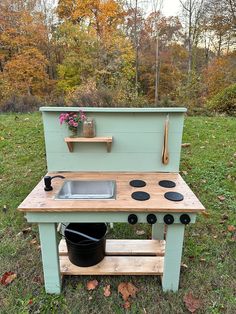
x=48 y=182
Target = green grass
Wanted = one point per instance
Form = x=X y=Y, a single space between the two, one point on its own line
x=208 y=166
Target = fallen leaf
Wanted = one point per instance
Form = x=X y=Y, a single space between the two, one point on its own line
x=30 y=302
x=185 y=144
x=90 y=297
x=92 y=284
x=184 y=265
x=231 y=228
x=184 y=172
x=34 y=241
x=107 y=291
x=26 y=230
x=140 y=232
x=221 y=198
x=202 y=259
x=127 y=289
x=191 y=303
x=215 y=236
x=7 y=278
x=126 y=305
x=205 y=214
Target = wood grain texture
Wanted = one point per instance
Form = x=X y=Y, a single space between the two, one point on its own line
x=127 y=247
x=116 y=265
x=70 y=140
x=40 y=201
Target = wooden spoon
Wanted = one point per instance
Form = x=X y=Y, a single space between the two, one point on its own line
x=165 y=152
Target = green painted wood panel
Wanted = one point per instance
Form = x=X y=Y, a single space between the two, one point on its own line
x=138 y=137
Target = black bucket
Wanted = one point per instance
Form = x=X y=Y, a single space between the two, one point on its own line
x=83 y=252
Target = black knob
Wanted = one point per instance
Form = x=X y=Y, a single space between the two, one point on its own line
x=151 y=219
x=132 y=219
x=168 y=219
x=48 y=182
x=185 y=219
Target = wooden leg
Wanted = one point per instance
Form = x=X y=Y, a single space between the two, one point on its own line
x=172 y=258
x=50 y=258
x=158 y=231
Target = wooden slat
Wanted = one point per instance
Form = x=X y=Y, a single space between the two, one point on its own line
x=40 y=201
x=127 y=247
x=104 y=139
x=116 y=265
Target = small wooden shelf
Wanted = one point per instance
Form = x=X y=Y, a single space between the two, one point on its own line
x=71 y=140
x=123 y=257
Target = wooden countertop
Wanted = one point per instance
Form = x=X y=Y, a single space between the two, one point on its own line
x=41 y=201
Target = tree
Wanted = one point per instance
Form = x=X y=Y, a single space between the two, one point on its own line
x=26 y=72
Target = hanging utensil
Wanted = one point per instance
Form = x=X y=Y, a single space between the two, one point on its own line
x=165 y=151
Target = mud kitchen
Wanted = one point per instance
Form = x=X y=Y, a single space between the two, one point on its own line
x=128 y=172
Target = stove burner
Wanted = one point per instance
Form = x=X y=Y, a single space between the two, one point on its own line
x=167 y=184
x=140 y=196
x=174 y=196
x=137 y=183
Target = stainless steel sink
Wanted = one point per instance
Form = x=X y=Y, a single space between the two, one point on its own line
x=89 y=190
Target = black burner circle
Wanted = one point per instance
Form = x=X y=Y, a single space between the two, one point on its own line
x=167 y=184
x=140 y=196
x=174 y=196
x=137 y=183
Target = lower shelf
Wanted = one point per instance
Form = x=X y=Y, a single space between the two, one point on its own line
x=129 y=259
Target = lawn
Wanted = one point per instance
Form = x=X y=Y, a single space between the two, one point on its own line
x=209 y=271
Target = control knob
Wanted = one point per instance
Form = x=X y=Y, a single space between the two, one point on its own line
x=185 y=219
x=132 y=219
x=151 y=219
x=168 y=219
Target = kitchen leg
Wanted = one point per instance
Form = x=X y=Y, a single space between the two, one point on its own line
x=50 y=258
x=172 y=258
x=158 y=231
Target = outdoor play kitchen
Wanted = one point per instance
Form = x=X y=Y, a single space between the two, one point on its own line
x=122 y=166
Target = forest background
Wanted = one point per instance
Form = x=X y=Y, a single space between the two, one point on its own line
x=117 y=53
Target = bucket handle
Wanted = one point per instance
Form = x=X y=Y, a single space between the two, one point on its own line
x=82 y=234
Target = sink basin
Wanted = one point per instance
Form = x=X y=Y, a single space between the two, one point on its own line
x=87 y=190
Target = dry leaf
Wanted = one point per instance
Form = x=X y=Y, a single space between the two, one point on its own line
x=184 y=172
x=231 y=228
x=191 y=303
x=225 y=217
x=107 y=291
x=126 y=305
x=90 y=297
x=34 y=241
x=184 y=265
x=92 y=284
x=202 y=259
x=127 y=289
x=185 y=144
x=26 y=230
x=221 y=198
x=140 y=232
x=205 y=214
x=215 y=236
x=7 y=278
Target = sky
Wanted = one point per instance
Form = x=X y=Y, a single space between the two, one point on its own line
x=169 y=7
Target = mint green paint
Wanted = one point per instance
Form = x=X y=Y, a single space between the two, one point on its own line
x=96 y=217
x=115 y=109
x=172 y=260
x=138 y=136
x=50 y=258
x=158 y=231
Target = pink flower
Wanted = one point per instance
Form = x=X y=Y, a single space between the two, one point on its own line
x=75 y=124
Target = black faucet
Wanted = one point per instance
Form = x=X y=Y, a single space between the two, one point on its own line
x=48 y=182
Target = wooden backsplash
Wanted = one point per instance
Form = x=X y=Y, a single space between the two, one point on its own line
x=138 y=136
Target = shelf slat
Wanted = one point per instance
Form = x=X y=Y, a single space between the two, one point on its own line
x=116 y=265
x=105 y=139
x=127 y=247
